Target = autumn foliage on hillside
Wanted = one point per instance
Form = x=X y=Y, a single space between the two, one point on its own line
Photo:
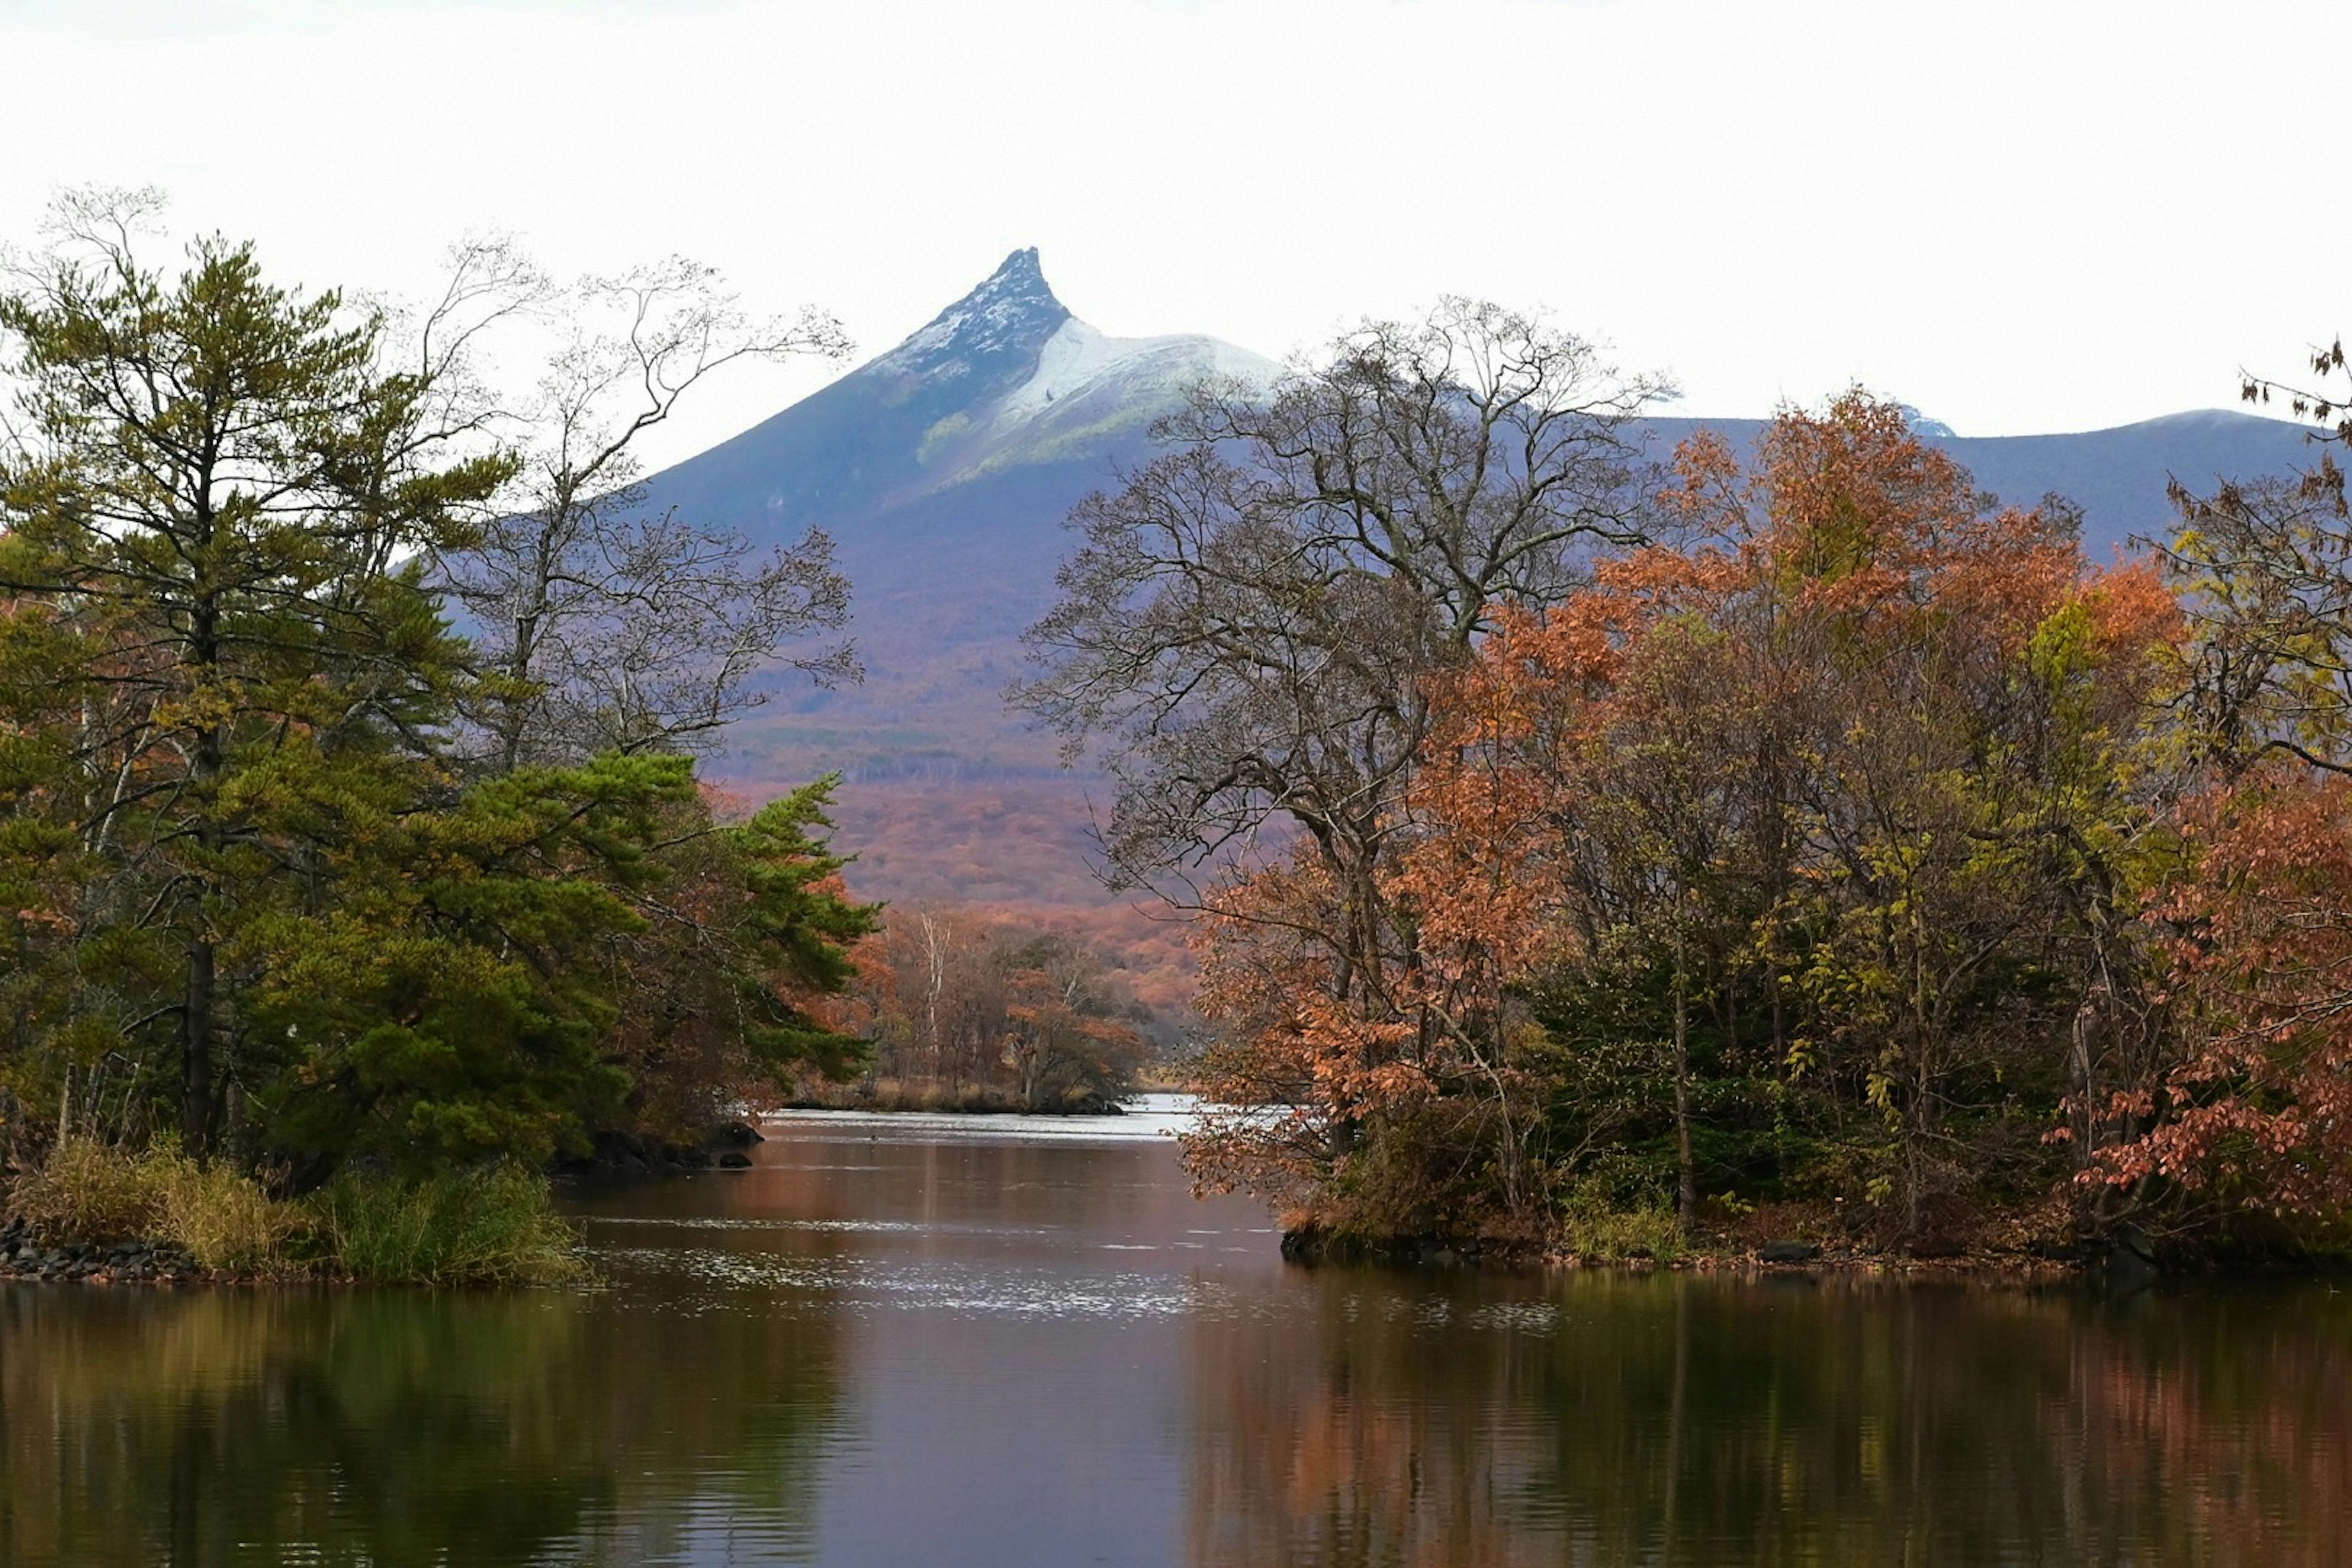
x=975 y=1006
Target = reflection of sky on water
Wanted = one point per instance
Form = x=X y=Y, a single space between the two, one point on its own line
x=1055 y=1355
x=1148 y=1117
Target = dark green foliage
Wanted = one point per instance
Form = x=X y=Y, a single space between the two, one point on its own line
x=721 y=982
x=254 y=892
x=800 y=926
x=494 y=1225
x=455 y=1003
x=216 y=485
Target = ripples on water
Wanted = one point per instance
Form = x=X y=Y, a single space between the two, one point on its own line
x=977 y=1341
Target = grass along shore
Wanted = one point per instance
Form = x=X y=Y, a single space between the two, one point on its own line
x=97 y=1213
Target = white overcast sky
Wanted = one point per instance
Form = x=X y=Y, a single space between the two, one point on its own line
x=2018 y=217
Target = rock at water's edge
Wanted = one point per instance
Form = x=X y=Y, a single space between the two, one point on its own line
x=1789 y=1252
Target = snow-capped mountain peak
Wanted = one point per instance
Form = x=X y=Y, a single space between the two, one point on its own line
x=1007 y=378
x=1004 y=382
x=1012 y=312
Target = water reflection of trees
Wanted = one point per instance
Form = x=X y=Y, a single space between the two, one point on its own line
x=1688 y=1421
x=389 y=1427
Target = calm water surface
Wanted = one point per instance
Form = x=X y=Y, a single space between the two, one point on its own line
x=928 y=1340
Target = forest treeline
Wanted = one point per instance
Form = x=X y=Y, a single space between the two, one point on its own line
x=1790 y=842
x=979 y=1007
x=352 y=836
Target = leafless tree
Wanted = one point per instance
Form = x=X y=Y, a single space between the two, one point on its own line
x=1246 y=630
x=607 y=625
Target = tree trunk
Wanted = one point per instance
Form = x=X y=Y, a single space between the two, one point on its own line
x=523 y=660
x=1686 y=1169
x=208 y=765
x=196 y=1050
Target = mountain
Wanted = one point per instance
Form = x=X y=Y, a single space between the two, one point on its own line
x=943 y=469
x=2118 y=477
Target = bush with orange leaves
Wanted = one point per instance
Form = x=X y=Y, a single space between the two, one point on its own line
x=2251 y=1116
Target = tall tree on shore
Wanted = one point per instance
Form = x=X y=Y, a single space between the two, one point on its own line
x=220 y=489
x=1247 y=629
x=2245 y=1108
x=1842 y=796
x=1915 y=775
x=606 y=627
x=258 y=882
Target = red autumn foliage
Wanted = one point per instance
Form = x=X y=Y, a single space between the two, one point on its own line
x=2257 y=1107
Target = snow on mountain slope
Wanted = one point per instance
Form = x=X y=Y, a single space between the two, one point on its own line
x=1011 y=313
x=1079 y=361
x=1087 y=389
x=1088 y=385
x=943 y=468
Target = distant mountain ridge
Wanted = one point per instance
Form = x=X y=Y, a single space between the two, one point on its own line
x=2119 y=477
x=943 y=469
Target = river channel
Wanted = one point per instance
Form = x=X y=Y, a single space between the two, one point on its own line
x=946 y=1341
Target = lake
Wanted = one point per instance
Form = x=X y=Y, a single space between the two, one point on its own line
x=942 y=1340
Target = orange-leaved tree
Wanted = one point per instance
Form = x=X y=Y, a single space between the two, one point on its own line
x=1841 y=800
x=2252 y=1110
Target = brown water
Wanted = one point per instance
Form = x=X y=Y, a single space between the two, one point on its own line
x=904 y=1344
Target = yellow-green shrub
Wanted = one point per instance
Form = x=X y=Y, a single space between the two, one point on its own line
x=93 y=1193
x=1592 y=1225
x=219 y=1218
x=494 y=1226
x=490 y=1227
x=89 y=1192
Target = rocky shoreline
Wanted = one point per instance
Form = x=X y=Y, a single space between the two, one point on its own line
x=2127 y=1260
x=24 y=1257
